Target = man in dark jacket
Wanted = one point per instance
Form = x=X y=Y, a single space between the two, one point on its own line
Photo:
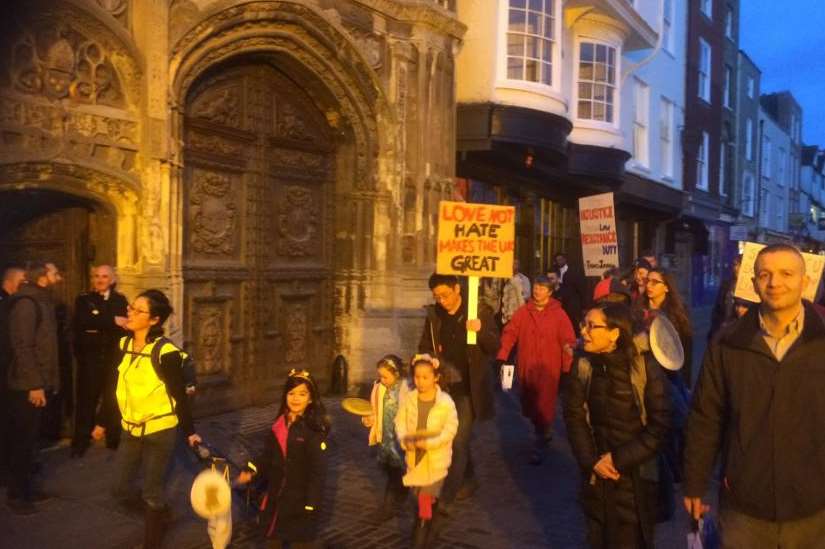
x=98 y=319
x=445 y=336
x=759 y=401
x=33 y=377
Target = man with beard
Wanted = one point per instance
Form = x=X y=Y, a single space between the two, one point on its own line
x=99 y=317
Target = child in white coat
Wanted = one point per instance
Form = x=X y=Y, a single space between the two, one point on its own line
x=426 y=425
x=388 y=395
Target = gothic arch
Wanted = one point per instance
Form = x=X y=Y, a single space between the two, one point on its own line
x=305 y=41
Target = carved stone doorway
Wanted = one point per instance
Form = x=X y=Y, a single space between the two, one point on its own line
x=73 y=233
x=258 y=216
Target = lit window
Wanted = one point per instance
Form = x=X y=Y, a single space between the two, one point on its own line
x=666 y=137
x=531 y=40
x=702 y=167
x=704 y=70
x=640 y=123
x=597 y=82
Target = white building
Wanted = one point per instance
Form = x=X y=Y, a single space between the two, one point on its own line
x=775 y=178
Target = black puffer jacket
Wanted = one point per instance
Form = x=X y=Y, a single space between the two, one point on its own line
x=295 y=482
x=614 y=425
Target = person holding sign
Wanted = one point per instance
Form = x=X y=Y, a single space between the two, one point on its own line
x=759 y=401
x=545 y=341
x=445 y=337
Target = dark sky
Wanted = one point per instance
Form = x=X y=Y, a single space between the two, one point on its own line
x=786 y=40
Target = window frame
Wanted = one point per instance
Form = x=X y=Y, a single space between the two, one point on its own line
x=723 y=166
x=703 y=90
x=727 y=94
x=702 y=163
x=751 y=86
x=749 y=141
x=729 y=22
x=766 y=158
x=666 y=146
x=748 y=194
x=617 y=90
x=503 y=79
x=641 y=122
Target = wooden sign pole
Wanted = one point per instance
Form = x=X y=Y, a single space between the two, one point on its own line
x=472 y=306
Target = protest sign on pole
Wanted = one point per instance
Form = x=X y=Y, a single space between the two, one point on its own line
x=744 y=282
x=475 y=240
x=600 y=243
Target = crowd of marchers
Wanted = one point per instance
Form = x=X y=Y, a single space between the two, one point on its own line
x=637 y=423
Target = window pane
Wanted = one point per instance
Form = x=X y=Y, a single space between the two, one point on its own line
x=517 y=3
x=546 y=73
x=532 y=47
x=514 y=68
x=611 y=75
x=608 y=94
x=584 y=109
x=534 y=23
x=548 y=27
x=587 y=52
x=586 y=71
x=547 y=51
x=548 y=6
x=611 y=56
x=599 y=92
x=536 y=5
x=601 y=73
x=598 y=111
x=531 y=72
x=608 y=113
x=601 y=54
x=585 y=91
x=515 y=44
x=516 y=21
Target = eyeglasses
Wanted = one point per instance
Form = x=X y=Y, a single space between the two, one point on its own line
x=654 y=282
x=130 y=309
x=589 y=326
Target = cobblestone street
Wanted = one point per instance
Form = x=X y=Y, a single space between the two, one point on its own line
x=516 y=505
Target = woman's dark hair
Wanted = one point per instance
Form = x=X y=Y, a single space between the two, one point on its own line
x=447 y=374
x=619 y=316
x=315 y=414
x=673 y=306
x=393 y=363
x=160 y=308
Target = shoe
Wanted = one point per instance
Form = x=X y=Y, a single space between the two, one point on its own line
x=40 y=497
x=436 y=524
x=421 y=532
x=21 y=507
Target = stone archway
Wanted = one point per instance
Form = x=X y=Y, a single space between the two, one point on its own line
x=305 y=169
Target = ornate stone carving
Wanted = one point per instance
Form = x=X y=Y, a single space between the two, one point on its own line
x=119 y=9
x=214 y=144
x=290 y=124
x=210 y=339
x=300 y=160
x=296 y=333
x=219 y=106
x=370 y=45
x=59 y=62
x=212 y=208
x=298 y=223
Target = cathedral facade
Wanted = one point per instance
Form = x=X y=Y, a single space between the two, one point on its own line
x=274 y=166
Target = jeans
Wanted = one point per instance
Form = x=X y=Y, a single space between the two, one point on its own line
x=24 y=432
x=461 y=465
x=155 y=452
x=741 y=530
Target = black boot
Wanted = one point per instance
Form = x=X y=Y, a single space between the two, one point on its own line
x=155 y=524
x=421 y=532
x=437 y=524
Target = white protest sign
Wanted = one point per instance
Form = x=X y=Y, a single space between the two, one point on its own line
x=744 y=282
x=600 y=244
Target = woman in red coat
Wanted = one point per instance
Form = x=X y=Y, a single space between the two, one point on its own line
x=545 y=341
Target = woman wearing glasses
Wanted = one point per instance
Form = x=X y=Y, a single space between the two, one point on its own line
x=153 y=404
x=616 y=409
x=662 y=296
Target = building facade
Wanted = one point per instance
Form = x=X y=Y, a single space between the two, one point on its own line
x=745 y=192
x=547 y=112
x=274 y=166
x=775 y=180
x=812 y=195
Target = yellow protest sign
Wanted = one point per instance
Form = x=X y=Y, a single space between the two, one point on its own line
x=744 y=282
x=475 y=239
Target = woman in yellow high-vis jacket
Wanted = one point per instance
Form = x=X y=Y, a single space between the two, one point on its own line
x=153 y=405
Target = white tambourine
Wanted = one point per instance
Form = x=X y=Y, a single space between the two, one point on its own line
x=211 y=495
x=665 y=343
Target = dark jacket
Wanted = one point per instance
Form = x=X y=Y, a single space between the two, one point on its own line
x=765 y=417
x=294 y=482
x=33 y=340
x=479 y=356
x=96 y=335
x=604 y=416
